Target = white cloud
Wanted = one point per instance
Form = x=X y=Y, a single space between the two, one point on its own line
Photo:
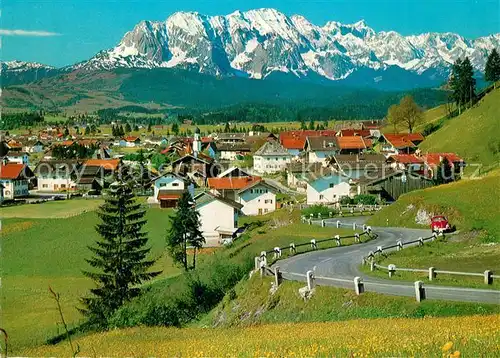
x=5 y=32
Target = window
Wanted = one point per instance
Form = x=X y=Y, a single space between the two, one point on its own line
x=63 y=186
x=45 y=186
x=276 y=159
x=331 y=185
x=7 y=192
x=321 y=197
x=266 y=210
x=162 y=185
x=251 y=191
x=175 y=184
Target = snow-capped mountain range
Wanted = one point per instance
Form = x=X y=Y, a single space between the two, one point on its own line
x=259 y=42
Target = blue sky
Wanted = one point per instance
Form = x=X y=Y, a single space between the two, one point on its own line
x=62 y=32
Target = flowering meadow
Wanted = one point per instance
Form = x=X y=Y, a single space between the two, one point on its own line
x=427 y=337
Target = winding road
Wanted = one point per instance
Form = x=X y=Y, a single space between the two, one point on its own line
x=338 y=267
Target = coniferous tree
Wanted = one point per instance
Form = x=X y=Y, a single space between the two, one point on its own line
x=175 y=128
x=121 y=132
x=463 y=83
x=311 y=124
x=185 y=231
x=492 y=69
x=149 y=127
x=120 y=255
x=128 y=129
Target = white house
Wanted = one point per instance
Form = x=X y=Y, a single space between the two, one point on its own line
x=233 y=151
x=327 y=189
x=17 y=157
x=218 y=217
x=272 y=157
x=130 y=142
x=258 y=198
x=319 y=149
x=14 y=178
x=168 y=188
x=57 y=175
x=233 y=172
x=33 y=146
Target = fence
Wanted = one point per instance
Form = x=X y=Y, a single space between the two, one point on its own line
x=432 y=271
x=277 y=252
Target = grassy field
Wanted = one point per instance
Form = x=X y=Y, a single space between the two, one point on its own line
x=51 y=210
x=475 y=134
x=37 y=253
x=428 y=337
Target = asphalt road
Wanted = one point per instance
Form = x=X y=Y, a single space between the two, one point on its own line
x=338 y=267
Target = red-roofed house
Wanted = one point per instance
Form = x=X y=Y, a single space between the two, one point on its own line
x=256 y=196
x=294 y=141
x=168 y=188
x=433 y=160
x=130 y=141
x=400 y=143
x=365 y=133
x=409 y=162
x=15 y=179
x=353 y=144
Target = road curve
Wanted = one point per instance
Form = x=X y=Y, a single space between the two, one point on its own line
x=338 y=267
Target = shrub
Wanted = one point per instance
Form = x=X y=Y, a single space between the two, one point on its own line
x=345 y=200
x=317 y=209
x=365 y=199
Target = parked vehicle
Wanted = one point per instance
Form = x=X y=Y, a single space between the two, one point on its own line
x=439 y=223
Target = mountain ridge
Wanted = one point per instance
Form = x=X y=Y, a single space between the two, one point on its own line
x=257 y=43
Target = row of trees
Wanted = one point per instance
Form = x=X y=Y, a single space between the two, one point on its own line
x=121 y=260
x=74 y=151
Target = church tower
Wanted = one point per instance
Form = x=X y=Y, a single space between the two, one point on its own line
x=196 y=142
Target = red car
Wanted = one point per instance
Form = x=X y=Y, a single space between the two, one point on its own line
x=440 y=224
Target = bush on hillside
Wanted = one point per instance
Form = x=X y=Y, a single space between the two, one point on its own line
x=365 y=199
x=322 y=210
x=181 y=299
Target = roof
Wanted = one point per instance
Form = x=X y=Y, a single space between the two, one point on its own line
x=207 y=197
x=322 y=143
x=259 y=182
x=192 y=157
x=381 y=175
x=403 y=140
x=12 y=171
x=299 y=167
x=406 y=159
x=16 y=154
x=234 y=147
x=231 y=170
x=131 y=138
x=109 y=164
x=435 y=159
x=169 y=194
x=230 y=183
x=46 y=167
x=297 y=139
x=353 y=142
x=354 y=132
x=86 y=180
x=272 y=148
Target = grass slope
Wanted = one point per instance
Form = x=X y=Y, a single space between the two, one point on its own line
x=37 y=253
x=51 y=210
x=475 y=134
x=471 y=205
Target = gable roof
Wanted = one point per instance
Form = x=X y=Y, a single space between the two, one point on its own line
x=14 y=171
x=131 y=138
x=230 y=170
x=272 y=148
x=169 y=194
x=207 y=197
x=256 y=183
x=403 y=140
x=109 y=164
x=353 y=142
x=405 y=159
x=230 y=183
x=349 y=132
x=434 y=159
x=322 y=143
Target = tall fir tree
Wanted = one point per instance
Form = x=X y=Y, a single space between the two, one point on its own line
x=185 y=231
x=492 y=69
x=119 y=259
x=128 y=128
x=463 y=83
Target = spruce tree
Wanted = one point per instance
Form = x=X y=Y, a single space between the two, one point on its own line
x=128 y=129
x=492 y=69
x=119 y=257
x=184 y=231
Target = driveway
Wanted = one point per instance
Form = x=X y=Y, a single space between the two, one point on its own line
x=338 y=267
